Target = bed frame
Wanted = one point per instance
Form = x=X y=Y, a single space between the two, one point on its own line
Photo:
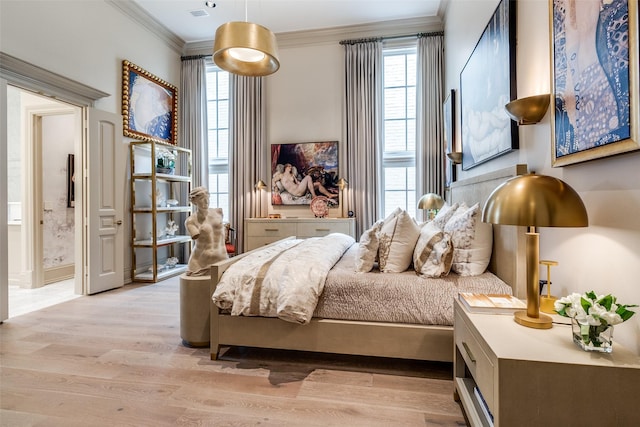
x=407 y=341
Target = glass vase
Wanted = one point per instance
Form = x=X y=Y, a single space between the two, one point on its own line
x=592 y=338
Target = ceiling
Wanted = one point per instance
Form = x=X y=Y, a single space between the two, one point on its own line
x=280 y=16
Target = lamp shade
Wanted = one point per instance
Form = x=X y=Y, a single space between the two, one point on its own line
x=430 y=201
x=537 y=201
x=529 y=110
x=260 y=185
x=246 y=49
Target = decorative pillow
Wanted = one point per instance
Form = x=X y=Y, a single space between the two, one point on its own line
x=444 y=215
x=368 y=248
x=398 y=239
x=472 y=241
x=433 y=253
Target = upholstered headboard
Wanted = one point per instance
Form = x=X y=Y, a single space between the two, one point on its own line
x=507 y=258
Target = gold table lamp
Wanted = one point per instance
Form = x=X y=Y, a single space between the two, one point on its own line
x=430 y=202
x=534 y=201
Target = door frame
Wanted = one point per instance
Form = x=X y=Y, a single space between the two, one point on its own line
x=26 y=76
x=32 y=194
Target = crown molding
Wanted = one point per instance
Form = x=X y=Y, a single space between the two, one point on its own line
x=394 y=28
x=139 y=15
x=31 y=77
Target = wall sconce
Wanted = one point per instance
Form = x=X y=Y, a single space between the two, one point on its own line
x=260 y=186
x=430 y=202
x=342 y=184
x=529 y=110
x=455 y=157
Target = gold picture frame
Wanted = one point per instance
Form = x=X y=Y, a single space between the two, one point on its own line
x=594 y=108
x=149 y=106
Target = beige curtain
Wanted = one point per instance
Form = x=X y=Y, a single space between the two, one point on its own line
x=363 y=105
x=430 y=142
x=248 y=151
x=192 y=101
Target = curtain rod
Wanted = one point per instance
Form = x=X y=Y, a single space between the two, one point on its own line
x=186 y=58
x=375 y=39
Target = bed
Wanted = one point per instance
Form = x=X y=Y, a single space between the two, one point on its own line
x=385 y=339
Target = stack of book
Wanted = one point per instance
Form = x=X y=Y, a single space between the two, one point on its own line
x=491 y=303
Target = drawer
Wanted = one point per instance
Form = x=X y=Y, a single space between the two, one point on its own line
x=320 y=228
x=259 y=241
x=271 y=229
x=476 y=359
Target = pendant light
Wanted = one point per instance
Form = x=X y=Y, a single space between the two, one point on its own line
x=246 y=48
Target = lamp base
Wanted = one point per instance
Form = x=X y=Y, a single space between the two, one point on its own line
x=541 y=322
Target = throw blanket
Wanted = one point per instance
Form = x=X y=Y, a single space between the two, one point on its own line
x=283 y=280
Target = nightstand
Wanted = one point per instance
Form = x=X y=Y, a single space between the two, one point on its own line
x=538 y=377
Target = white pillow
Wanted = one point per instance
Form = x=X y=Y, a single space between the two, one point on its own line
x=398 y=239
x=472 y=241
x=433 y=253
x=368 y=248
x=445 y=214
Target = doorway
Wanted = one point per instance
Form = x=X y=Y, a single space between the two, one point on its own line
x=43 y=137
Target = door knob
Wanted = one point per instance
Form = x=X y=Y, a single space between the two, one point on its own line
x=119 y=222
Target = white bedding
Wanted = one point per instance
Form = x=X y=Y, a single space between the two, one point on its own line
x=284 y=280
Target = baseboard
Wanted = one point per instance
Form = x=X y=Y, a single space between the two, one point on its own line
x=57 y=274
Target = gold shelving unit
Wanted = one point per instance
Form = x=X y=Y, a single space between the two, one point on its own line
x=159 y=198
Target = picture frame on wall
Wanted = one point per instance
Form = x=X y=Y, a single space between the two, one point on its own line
x=594 y=100
x=302 y=171
x=149 y=106
x=449 y=111
x=487 y=84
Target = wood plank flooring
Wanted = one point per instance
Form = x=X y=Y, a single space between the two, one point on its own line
x=116 y=359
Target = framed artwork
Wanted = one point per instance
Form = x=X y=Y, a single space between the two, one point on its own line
x=487 y=84
x=71 y=178
x=449 y=110
x=301 y=171
x=149 y=106
x=594 y=47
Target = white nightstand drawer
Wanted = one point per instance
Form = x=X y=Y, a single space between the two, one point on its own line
x=477 y=361
x=271 y=229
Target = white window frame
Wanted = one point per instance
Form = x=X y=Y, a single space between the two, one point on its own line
x=397 y=159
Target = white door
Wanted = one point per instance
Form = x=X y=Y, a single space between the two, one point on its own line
x=103 y=189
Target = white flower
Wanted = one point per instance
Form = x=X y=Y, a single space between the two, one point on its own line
x=594 y=310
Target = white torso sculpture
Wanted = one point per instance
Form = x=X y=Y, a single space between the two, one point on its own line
x=205 y=228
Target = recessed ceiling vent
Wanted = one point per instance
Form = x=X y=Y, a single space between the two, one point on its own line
x=198 y=13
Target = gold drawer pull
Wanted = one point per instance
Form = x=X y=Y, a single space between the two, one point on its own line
x=468 y=351
x=323 y=229
x=271 y=229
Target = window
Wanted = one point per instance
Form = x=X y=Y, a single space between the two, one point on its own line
x=399 y=130
x=218 y=137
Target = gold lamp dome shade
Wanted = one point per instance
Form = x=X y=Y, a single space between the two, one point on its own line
x=430 y=201
x=537 y=201
x=246 y=49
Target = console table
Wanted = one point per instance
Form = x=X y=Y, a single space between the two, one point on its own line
x=539 y=377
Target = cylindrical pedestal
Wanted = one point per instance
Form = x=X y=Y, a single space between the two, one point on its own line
x=195 y=310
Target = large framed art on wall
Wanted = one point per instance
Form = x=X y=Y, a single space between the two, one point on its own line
x=301 y=171
x=149 y=106
x=487 y=84
x=594 y=45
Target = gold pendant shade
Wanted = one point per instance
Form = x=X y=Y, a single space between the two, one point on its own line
x=246 y=49
x=535 y=200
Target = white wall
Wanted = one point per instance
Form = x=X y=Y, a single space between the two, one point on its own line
x=87 y=41
x=605 y=256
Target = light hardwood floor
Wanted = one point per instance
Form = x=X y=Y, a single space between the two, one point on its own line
x=116 y=359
